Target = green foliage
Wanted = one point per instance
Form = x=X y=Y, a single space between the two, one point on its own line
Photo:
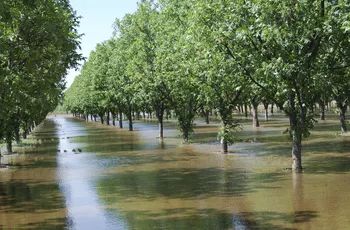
x=229 y=132
x=38 y=43
x=191 y=55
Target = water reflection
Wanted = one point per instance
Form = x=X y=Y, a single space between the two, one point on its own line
x=130 y=180
x=30 y=198
x=77 y=175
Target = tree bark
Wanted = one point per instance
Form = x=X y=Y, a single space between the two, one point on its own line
x=130 y=116
x=255 y=115
x=224 y=146
x=101 y=117
x=107 y=118
x=322 y=111
x=120 y=120
x=246 y=110
x=138 y=116
x=266 y=107
x=24 y=134
x=17 y=135
x=160 y=115
x=224 y=143
x=113 y=118
x=342 y=119
x=296 y=132
x=186 y=136
x=296 y=152
x=161 y=130
x=207 y=121
x=9 y=146
x=271 y=110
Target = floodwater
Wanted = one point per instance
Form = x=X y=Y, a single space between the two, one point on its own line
x=79 y=175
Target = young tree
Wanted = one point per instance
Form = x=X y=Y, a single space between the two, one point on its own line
x=152 y=85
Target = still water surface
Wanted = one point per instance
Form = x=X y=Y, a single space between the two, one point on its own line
x=81 y=175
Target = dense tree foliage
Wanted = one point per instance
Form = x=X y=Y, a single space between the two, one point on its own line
x=196 y=57
x=38 y=43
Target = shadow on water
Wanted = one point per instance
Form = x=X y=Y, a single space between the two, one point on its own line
x=21 y=197
x=182 y=218
x=323 y=165
x=30 y=196
x=184 y=183
x=207 y=218
x=51 y=223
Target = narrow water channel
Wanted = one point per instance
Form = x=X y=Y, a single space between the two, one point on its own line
x=79 y=175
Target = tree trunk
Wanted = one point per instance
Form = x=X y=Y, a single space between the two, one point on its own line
x=131 y=128
x=101 y=117
x=113 y=118
x=160 y=115
x=107 y=118
x=161 y=130
x=24 y=134
x=9 y=146
x=246 y=110
x=138 y=116
x=130 y=116
x=95 y=118
x=271 y=110
x=266 y=107
x=322 y=111
x=186 y=136
x=342 y=119
x=224 y=146
x=296 y=151
x=224 y=142
x=255 y=115
x=17 y=135
x=296 y=127
x=207 y=117
x=120 y=120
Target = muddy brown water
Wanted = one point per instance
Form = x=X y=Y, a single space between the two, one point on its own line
x=78 y=175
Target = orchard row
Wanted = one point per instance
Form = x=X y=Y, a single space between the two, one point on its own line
x=195 y=56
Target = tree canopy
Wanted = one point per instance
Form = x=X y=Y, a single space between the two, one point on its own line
x=38 y=43
x=192 y=57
